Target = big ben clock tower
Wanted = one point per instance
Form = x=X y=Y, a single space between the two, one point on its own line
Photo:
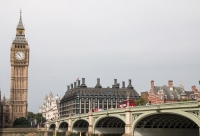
x=19 y=60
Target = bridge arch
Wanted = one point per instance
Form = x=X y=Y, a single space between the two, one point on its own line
x=52 y=127
x=109 y=125
x=63 y=126
x=80 y=125
x=177 y=123
x=104 y=116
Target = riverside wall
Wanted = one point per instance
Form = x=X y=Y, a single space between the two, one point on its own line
x=23 y=132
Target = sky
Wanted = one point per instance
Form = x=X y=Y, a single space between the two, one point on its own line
x=108 y=39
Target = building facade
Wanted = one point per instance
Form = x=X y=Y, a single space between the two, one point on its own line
x=81 y=99
x=16 y=106
x=50 y=107
x=171 y=93
x=4 y=112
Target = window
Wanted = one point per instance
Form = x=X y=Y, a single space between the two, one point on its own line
x=7 y=109
x=6 y=119
x=108 y=92
x=172 y=96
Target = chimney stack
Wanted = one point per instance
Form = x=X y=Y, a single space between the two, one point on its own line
x=83 y=85
x=115 y=84
x=68 y=87
x=118 y=84
x=123 y=84
x=170 y=85
x=71 y=86
x=79 y=83
x=129 y=86
x=98 y=85
x=194 y=89
x=74 y=84
x=152 y=84
x=115 y=81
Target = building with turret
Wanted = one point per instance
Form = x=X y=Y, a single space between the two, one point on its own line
x=4 y=111
x=50 y=107
x=17 y=105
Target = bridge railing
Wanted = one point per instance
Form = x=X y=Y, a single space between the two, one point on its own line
x=172 y=105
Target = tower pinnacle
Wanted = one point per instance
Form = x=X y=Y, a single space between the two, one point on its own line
x=20 y=24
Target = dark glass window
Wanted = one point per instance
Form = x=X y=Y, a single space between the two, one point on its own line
x=6 y=119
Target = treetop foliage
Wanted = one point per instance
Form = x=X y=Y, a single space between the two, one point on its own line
x=37 y=116
x=21 y=122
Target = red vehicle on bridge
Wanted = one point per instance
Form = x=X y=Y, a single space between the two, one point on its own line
x=124 y=103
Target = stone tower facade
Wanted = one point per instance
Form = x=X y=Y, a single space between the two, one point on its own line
x=19 y=60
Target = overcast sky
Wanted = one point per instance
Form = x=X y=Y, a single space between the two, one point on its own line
x=141 y=40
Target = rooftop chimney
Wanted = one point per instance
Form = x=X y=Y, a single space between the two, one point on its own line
x=170 y=85
x=71 y=86
x=79 y=83
x=115 y=84
x=123 y=84
x=98 y=85
x=152 y=84
x=129 y=86
x=115 y=81
x=68 y=87
x=83 y=85
x=74 y=84
x=194 y=89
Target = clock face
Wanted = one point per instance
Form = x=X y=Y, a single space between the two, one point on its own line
x=19 y=55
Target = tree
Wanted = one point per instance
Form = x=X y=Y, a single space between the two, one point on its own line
x=37 y=116
x=139 y=102
x=21 y=122
x=31 y=114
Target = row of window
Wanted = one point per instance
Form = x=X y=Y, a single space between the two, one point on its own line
x=19 y=46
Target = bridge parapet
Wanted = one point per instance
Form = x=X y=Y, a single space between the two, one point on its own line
x=131 y=115
x=175 y=105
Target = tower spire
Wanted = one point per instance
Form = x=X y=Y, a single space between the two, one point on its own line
x=20 y=13
x=20 y=24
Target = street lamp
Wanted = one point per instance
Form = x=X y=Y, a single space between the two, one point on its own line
x=91 y=104
x=199 y=84
x=70 y=110
x=127 y=93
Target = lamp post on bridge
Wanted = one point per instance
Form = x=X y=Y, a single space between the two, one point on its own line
x=127 y=93
x=199 y=90
x=70 y=110
x=199 y=95
x=91 y=104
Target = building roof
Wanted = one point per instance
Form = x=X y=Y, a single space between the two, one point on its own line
x=99 y=91
x=83 y=90
x=174 y=92
x=20 y=24
x=20 y=38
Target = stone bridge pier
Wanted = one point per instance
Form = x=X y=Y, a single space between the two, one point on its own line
x=174 y=119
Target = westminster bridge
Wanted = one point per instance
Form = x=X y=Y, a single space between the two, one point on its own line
x=170 y=119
